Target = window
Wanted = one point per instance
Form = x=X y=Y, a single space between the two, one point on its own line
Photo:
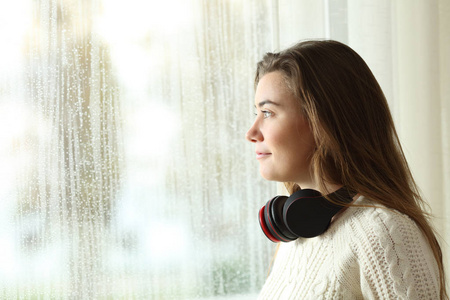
x=125 y=173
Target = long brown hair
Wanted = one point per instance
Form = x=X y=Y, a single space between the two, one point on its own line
x=356 y=141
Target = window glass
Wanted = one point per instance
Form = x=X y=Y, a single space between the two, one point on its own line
x=125 y=172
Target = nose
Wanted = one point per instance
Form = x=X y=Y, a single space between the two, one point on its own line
x=254 y=134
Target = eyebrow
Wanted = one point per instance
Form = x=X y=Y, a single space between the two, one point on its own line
x=264 y=102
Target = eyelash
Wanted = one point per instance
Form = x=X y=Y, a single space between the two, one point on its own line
x=266 y=114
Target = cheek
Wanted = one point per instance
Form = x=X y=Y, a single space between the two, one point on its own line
x=301 y=149
x=300 y=152
x=292 y=142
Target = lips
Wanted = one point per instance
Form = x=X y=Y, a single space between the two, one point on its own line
x=261 y=155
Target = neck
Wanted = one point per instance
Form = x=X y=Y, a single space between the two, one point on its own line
x=329 y=187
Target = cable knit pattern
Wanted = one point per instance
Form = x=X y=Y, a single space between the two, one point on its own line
x=367 y=253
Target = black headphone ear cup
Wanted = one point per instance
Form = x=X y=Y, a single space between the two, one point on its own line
x=308 y=214
x=276 y=215
x=269 y=220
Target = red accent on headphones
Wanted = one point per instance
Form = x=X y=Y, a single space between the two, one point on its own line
x=264 y=227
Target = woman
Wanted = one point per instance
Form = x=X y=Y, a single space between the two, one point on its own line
x=323 y=123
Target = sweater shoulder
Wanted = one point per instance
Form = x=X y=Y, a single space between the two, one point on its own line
x=393 y=253
x=385 y=226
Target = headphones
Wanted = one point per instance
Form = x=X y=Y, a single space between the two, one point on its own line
x=306 y=213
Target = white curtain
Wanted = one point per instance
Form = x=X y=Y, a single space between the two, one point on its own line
x=407 y=46
x=125 y=173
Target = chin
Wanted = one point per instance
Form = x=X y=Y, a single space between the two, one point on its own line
x=271 y=177
x=265 y=176
x=282 y=177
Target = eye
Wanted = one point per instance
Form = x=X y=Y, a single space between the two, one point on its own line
x=266 y=114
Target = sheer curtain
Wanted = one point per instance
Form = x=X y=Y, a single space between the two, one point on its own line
x=125 y=173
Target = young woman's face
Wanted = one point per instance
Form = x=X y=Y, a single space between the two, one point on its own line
x=283 y=139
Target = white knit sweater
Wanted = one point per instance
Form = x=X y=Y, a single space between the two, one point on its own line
x=367 y=253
